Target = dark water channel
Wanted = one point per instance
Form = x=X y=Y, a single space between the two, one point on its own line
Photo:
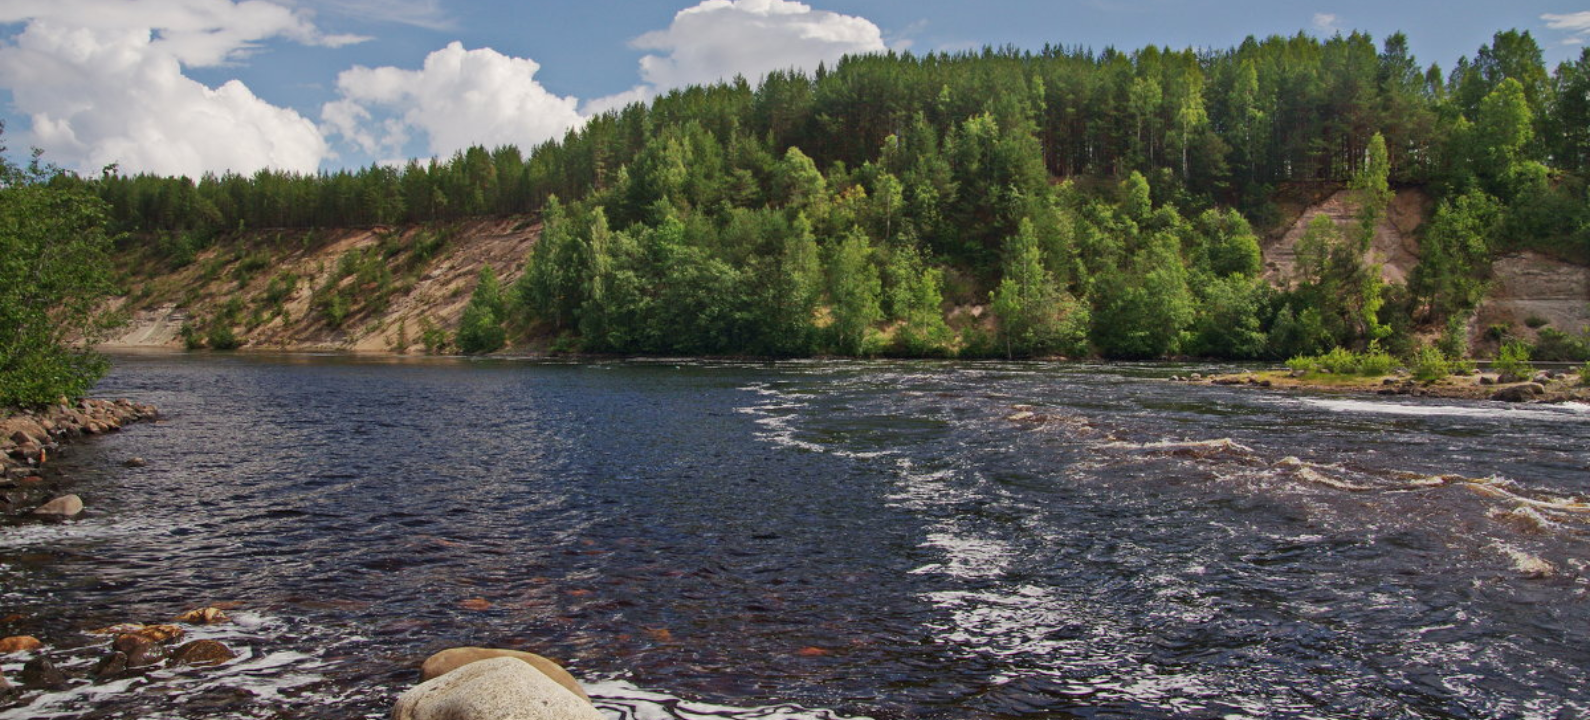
x=818 y=539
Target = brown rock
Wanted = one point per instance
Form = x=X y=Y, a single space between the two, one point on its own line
x=140 y=650
x=134 y=462
x=64 y=506
x=42 y=674
x=111 y=666
x=201 y=652
x=451 y=659
x=161 y=633
x=19 y=643
x=118 y=629
x=203 y=616
x=1519 y=393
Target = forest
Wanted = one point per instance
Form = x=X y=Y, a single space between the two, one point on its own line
x=1001 y=203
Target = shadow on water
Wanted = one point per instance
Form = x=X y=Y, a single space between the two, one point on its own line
x=818 y=540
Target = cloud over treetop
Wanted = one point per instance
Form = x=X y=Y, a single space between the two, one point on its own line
x=103 y=83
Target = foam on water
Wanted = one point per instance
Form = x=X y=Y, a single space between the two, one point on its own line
x=274 y=679
x=1559 y=412
x=623 y=700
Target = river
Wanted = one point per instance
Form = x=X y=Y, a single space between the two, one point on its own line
x=820 y=540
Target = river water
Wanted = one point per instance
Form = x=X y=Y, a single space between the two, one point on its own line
x=820 y=540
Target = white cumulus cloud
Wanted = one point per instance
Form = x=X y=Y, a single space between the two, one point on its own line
x=103 y=82
x=719 y=39
x=458 y=98
x=1577 y=23
x=1326 y=22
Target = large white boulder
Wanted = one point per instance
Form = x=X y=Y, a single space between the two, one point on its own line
x=502 y=688
x=452 y=659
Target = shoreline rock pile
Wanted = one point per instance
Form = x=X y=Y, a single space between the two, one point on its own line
x=134 y=649
x=29 y=439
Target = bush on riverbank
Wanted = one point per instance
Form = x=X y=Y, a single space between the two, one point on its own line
x=1513 y=361
x=1341 y=361
x=54 y=279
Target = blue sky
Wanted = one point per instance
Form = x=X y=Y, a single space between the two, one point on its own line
x=190 y=86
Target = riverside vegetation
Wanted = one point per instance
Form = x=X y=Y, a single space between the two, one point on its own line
x=1003 y=203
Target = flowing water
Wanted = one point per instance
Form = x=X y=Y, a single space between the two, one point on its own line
x=820 y=540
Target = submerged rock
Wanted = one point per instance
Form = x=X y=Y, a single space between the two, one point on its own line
x=112 y=666
x=203 y=616
x=201 y=652
x=117 y=629
x=139 y=650
x=41 y=674
x=502 y=688
x=451 y=659
x=65 y=506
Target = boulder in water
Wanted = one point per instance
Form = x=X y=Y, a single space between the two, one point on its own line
x=161 y=633
x=501 y=688
x=1519 y=393
x=140 y=650
x=203 y=616
x=201 y=652
x=451 y=659
x=19 y=643
x=112 y=666
x=41 y=674
x=134 y=462
x=64 y=506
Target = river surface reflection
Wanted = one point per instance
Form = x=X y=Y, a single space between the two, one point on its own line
x=821 y=540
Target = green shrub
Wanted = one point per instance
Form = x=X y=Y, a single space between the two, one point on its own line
x=1375 y=361
x=221 y=337
x=1584 y=374
x=1304 y=364
x=333 y=307
x=1513 y=360
x=435 y=340
x=191 y=339
x=1454 y=342
x=1341 y=361
x=249 y=266
x=1536 y=322
x=1429 y=365
x=280 y=288
x=1557 y=346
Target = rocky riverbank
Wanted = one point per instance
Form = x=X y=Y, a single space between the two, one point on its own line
x=29 y=439
x=1541 y=387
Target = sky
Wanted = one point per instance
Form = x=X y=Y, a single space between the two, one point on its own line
x=185 y=87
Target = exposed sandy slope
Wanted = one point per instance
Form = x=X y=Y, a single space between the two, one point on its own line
x=1530 y=285
x=1395 y=247
x=436 y=293
x=1525 y=285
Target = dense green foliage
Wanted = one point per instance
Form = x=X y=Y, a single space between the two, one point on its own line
x=1513 y=361
x=1340 y=361
x=481 y=329
x=1093 y=202
x=54 y=276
